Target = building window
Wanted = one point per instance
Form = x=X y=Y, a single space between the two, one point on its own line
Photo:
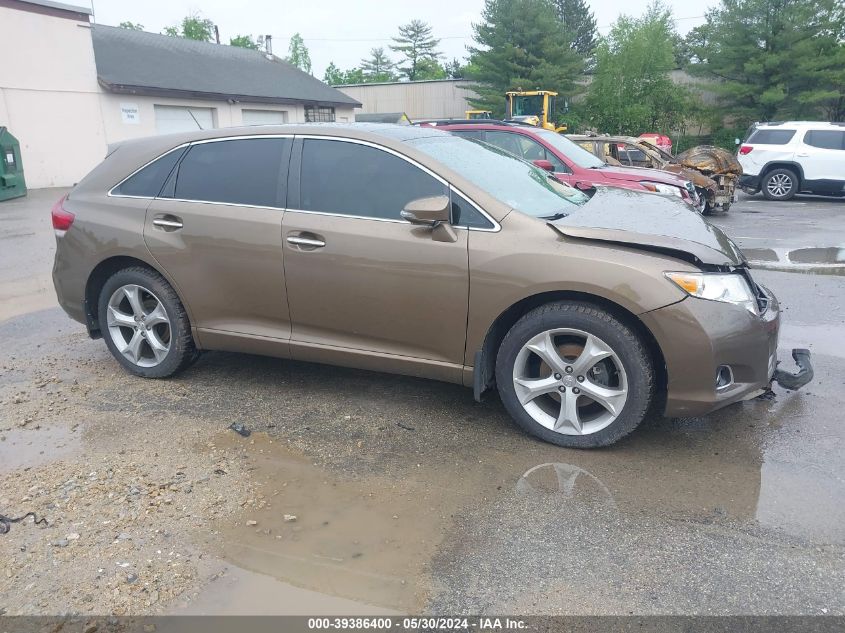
x=319 y=114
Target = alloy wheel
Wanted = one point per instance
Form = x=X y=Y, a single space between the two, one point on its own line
x=570 y=381
x=779 y=185
x=138 y=325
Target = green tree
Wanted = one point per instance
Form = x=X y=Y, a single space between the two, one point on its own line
x=455 y=69
x=378 y=66
x=244 y=41
x=193 y=27
x=774 y=59
x=579 y=24
x=334 y=76
x=519 y=44
x=132 y=26
x=417 y=45
x=632 y=91
x=298 y=54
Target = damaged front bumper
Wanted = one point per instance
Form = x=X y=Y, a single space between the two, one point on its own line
x=804 y=374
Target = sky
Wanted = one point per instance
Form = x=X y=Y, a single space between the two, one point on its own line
x=344 y=31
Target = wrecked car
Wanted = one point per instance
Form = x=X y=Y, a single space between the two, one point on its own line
x=714 y=171
x=411 y=251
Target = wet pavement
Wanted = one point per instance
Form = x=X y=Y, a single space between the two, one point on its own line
x=378 y=494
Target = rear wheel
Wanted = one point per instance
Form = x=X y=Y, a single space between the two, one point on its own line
x=144 y=324
x=574 y=375
x=780 y=184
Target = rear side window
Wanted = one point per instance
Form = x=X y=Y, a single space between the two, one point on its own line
x=466 y=215
x=825 y=139
x=147 y=182
x=239 y=171
x=771 y=137
x=353 y=179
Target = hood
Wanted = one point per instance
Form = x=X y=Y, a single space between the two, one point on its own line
x=654 y=222
x=696 y=177
x=641 y=173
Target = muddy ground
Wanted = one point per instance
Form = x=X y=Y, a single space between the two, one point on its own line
x=364 y=493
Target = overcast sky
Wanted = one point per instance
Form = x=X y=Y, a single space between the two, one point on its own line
x=344 y=31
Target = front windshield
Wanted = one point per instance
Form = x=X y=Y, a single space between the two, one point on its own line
x=528 y=106
x=573 y=152
x=514 y=182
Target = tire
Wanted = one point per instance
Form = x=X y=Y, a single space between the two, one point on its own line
x=630 y=369
x=780 y=184
x=155 y=345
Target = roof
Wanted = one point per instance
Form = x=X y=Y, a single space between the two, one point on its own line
x=137 y=62
x=61 y=6
x=405 y=83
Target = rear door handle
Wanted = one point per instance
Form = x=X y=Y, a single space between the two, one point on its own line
x=803 y=154
x=306 y=241
x=167 y=222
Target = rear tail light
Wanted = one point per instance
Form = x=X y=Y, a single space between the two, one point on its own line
x=745 y=149
x=62 y=219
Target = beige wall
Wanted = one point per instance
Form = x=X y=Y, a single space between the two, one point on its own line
x=442 y=99
x=49 y=97
x=225 y=114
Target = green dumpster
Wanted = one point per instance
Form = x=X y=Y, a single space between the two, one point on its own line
x=12 y=184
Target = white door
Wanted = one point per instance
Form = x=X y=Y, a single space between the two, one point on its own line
x=264 y=117
x=171 y=119
x=822 y=156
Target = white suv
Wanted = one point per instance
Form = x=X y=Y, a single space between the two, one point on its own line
x=784 y=158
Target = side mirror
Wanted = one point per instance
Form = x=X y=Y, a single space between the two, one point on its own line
x=542 y=163
x=427 y=211
x=433 y=213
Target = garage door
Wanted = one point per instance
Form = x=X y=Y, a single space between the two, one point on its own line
x=183 y=119
x=264 y=117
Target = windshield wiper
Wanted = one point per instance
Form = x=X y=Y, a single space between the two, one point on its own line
x=557 y=216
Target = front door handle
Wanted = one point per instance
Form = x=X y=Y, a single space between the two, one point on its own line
x=167 y=222
x=306 y=241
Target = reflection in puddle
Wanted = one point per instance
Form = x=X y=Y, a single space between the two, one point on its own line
x=814 y=260
x=564 y=481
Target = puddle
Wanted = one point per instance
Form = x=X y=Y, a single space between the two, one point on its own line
x=25 y=448
x=362 y=540
x=812 y=260
x=242 y=592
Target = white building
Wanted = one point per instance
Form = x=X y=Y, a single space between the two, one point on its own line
x=68 y=88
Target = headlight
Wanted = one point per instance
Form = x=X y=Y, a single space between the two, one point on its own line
x=726 y=287
x=659 y=187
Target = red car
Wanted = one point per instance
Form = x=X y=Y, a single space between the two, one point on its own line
x=572 y=164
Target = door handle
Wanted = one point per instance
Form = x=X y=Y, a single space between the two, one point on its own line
x=167 y=222
x=802 y=154
x=306 y=241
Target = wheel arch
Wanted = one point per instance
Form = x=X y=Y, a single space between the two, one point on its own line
x=783 y=164
x=97 y=279
x=484 y=368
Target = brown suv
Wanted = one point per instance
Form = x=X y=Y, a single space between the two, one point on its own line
x=408 y=250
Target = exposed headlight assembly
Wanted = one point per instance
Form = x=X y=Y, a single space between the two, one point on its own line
x=725 y=287
x=659 y=187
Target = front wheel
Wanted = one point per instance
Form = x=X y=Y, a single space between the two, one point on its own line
x=144 y=323
x=574 y=375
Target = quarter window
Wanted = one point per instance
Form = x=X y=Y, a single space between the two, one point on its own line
x=240 y=171
x=147 y=183
x=771 y=137
x=466 y=215
x=354 y=179
x=825 y=139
